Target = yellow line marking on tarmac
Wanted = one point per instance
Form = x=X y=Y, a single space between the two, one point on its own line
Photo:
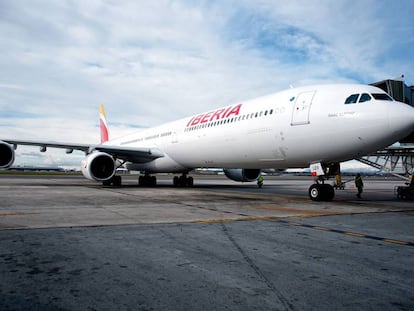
x=294 y=210
x=16 y=214
x=359 y=235
x=207 y=221
x=292 y=223
x=396 y=241
x=258 y=218
x=322 y=228
x=236 y=219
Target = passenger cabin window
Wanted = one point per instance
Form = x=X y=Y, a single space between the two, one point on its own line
x=381 y=96
x=364 y=98
x=352 y=99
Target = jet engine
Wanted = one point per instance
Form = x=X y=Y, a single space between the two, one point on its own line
x=6 y=155
x=242 y=174
x=98 y=166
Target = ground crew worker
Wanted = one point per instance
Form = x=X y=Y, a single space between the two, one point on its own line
x=260 y=181
x=338 y=181
x=359 y=184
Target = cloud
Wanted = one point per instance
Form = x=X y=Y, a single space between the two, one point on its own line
x=10 y=86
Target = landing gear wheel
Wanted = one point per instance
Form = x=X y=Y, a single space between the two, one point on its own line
x=147 y=181
x=183 y=181
x=328 y=192
x=315 y=193
x=321 y=192
x=115 y=181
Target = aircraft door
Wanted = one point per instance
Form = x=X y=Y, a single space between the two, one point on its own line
x=174 y=138
x=301 y=109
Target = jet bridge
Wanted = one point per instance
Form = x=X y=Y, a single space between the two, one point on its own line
x=398 y=161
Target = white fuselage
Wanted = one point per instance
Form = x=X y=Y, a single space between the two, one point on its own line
x=293 y=128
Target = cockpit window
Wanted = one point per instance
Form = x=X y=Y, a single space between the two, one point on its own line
x=381 y=96
x=364 y=98
x=352 y=99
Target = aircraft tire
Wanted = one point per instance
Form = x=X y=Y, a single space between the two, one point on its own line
x=183 y=181
x=116 y=181
x=328 y=192
x=147 y=181
x=315 y=192
x=324 y=192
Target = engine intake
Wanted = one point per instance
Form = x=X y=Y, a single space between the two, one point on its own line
x=98 y=166
x=6 y=155
x=242 y=174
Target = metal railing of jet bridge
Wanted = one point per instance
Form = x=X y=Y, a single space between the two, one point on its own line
x=398 y=161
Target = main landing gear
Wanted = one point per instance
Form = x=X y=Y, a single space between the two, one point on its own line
x=320 y=191
x=115 y=181
x=147 y=180
x=150 y=181
x=183 y=181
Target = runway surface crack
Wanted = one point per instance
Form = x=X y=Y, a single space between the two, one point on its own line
x=287 y=305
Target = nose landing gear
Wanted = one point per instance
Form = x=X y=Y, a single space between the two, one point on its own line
x=320 y=191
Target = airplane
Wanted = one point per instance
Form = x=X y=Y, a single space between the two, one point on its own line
x=315 y=126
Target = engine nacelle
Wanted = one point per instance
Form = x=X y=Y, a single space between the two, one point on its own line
x=6 y=155
x=242 y=174
x=98 y=166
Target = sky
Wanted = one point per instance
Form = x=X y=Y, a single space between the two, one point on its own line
x=151 y=62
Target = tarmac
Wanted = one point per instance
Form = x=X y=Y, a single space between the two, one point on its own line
x=70 y=244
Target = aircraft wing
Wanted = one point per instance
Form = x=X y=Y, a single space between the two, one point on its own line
x=44 y=144
x=132 y=154
x=136 y=155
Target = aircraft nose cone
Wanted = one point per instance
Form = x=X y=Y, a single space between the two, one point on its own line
x=401 y=119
